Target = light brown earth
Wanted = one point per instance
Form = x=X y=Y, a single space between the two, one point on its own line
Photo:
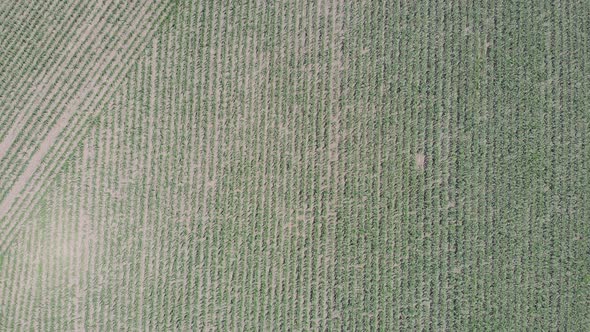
x=420 y=160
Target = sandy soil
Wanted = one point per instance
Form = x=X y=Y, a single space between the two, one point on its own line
x=420 y=160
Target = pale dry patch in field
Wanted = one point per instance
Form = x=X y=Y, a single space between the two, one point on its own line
x=420 y=160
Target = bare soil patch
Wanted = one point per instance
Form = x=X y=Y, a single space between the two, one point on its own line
x=420 y=160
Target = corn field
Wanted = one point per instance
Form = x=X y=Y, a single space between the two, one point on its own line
x=306 y=165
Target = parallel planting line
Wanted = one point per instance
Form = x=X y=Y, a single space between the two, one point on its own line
x=61 y=72
x=185 y=207
x=63 y=99
x=201 y=210
x=158 y=209
x=31 y=86
x=150 y=94
x=14 y=98
x=32 y=149
x=335 y=182
x=16 y=36
x=70 y=101
x=27 y=49
x=248 y=153
x=66 y=141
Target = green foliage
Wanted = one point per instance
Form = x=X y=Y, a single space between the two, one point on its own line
x=302 y=165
